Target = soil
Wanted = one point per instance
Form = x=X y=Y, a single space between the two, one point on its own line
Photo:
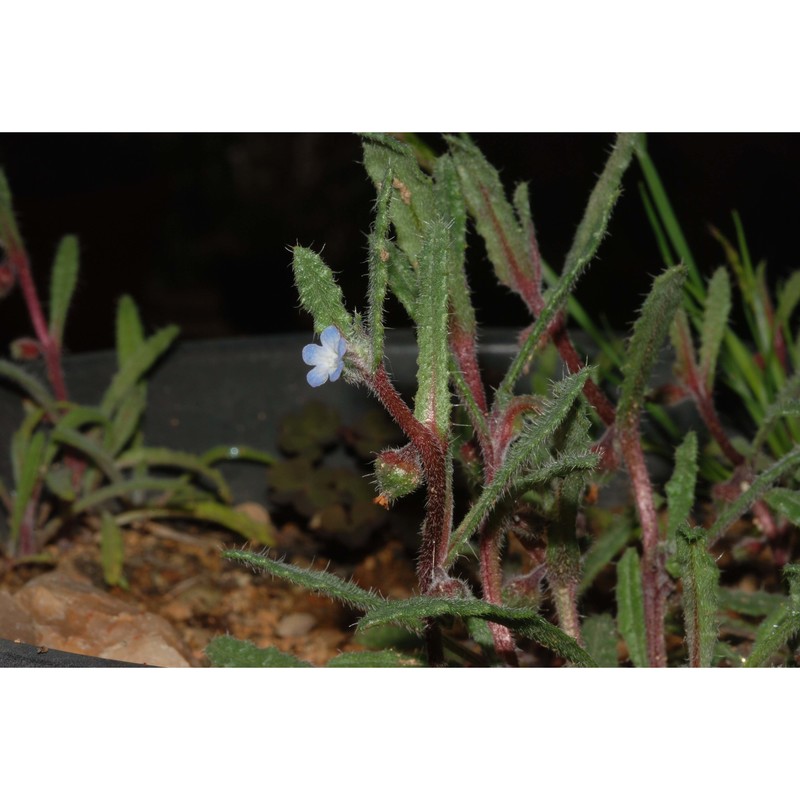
x=180 y=575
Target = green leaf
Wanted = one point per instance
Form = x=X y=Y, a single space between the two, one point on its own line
x=402 y=279
x=130 y=331
x=314 y=580
x=379 y=270
x=450 y=203
x=225 y=651
x=124 y=489
x=135 y=366
x=604 y=196
x=9 y=233
x=773 y=633
x=732 y=511
x=238 y=453
x=90 y=448
x=30 y=385
x=412 y=203
x=751 y=604
x=432 y=405
x=600 y=637
x=587 y=239
x=788 y=297
x=529 y=446
x=680 y=488
x=205 y=511
x=63 y=279
x=715 y=322
x=612 y=538
x=320 y=295
x=494 y=217
x=381 y=658
x=112 y=552
x=127 y=418
x=175 y=459
x=414 y=611
x=784 y=404
x=649 y=332
x=700 y=578
x=630 y=607
x=786 y=502
x=31 y=471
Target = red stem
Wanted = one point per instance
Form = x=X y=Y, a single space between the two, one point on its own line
x=492 y=582
x=432 y=452
x=51 y=348
x=652 y=566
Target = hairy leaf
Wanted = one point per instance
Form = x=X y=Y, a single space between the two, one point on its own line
x=381 y=658
x=28 y=383
x=700 y=578
x=587 y=239
x=649 y=332
x=378 y=270
x=494 y=217
x=630 y=607
x=680 y=488
x=600 y=638
x=225 y=651
x=414 y=611
x=529 y=446
x=412 y=202
x=135 y=367
x=611 y=539
x=732 y=511
x=175 y=459
x=432 y=405
x=751 y=604
x=63 y=279
x=130 y=331
x=112 y=552
x=715 y=322
x=90 y=448
x=31 y=470
x=315 y=580
x=786 y=502
x=320 y=295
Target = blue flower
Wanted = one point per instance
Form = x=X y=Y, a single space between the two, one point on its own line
x=327 y=358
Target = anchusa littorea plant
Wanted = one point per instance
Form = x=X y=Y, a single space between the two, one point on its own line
x=80 y=463
x=530 y=457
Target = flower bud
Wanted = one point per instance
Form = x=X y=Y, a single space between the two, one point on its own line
x=25 y=349
x=398 y=473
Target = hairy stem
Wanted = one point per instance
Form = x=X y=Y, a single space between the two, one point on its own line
x=433 y=453
x=492 y=582
x=51 y=350
x=652 y=566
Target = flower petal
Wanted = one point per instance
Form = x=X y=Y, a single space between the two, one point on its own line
x=334 y=376
x=312 y=354
x=330 y=338
x=317 y=376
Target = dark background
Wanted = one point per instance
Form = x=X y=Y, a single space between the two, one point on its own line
x=196 y=226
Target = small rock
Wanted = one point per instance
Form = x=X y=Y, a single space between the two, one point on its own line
x=72 y=615
x=296 y=624
x=15 y=622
